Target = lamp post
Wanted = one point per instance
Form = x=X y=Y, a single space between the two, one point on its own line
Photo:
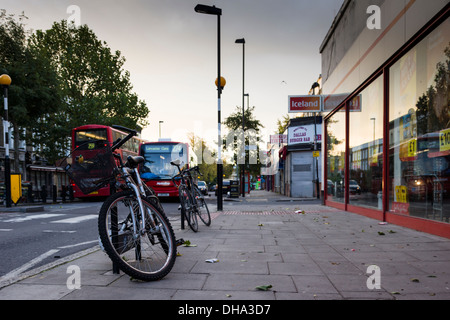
x=374 y=144
x=313 y=88
x=161 y=122
x=204 y=9
x=5 y=82
x=242 y=41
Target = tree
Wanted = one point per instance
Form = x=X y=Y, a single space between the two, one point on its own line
x=251 y=130
x=283 y=124
x=94 y=86
x=432 y=107
x=206 y=162
x=34 y=89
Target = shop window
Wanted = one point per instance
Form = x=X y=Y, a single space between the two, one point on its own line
x=365 y=146
x=419 y=129
x=336 y=156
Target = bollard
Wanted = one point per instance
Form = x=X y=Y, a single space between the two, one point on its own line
x=44 y=194
x=54 y=193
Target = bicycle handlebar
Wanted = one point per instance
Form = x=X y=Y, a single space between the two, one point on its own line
x=121 y=142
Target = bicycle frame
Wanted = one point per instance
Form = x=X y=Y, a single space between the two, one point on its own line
x=133 y=182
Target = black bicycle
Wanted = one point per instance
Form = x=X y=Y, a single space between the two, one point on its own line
x=133 y=228
x=192 y=201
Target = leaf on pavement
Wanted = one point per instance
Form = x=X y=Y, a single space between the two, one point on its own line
x=264 y=288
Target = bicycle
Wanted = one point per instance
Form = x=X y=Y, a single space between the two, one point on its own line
x=192 y=202
x=133 y=228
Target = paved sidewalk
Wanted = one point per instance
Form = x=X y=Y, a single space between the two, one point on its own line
x=318 y=253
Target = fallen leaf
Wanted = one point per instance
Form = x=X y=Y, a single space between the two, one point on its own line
x=260 y=225
x=392 y=231
x=381 y=233
x=187 y=243
x=264 y=288
x=415 y=280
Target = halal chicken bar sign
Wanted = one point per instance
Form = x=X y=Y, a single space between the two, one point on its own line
x=305 y=104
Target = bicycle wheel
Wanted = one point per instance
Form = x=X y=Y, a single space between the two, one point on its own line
x=146 y=254
x=187 y=207
x=202 y=207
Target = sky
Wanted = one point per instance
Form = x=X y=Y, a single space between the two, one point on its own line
x=171 y=54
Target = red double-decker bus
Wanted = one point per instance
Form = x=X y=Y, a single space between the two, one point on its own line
x=157 y=171
x=91 y=138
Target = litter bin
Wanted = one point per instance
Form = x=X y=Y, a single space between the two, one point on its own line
x=234 y=189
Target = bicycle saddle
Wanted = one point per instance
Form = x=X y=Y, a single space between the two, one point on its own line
x=133 y=162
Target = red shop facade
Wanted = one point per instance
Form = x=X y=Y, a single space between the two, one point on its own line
x=386 y=89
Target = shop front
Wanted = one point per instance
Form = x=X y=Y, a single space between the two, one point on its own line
x=303 y=161
x=387 y=127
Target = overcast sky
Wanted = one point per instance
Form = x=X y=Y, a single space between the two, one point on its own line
x=171 y=53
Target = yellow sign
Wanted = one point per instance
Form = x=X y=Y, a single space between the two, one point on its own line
x=444 y=140
x=401 y=194
x=16 y=187
x=316 y=154
x=412 y=148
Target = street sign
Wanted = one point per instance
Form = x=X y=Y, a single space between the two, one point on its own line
x=16 y=187
x=299 y=104
x=444 y=140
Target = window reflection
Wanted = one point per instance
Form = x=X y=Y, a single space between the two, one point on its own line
x=336 y=156
x=419 y=129
x=366 y=146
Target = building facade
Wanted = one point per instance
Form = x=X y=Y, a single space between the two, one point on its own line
x=386 y=89
x=299 y=159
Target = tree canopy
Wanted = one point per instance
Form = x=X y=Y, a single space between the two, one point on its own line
x=63 y=78
x=252 y=128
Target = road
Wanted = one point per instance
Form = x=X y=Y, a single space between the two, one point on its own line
x=30 y=240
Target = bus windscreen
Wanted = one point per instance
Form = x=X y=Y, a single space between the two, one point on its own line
x=157 y=160
x=84 y=138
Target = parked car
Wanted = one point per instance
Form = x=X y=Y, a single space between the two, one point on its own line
x=354 y=187
x=226 y=187
x=202 y=187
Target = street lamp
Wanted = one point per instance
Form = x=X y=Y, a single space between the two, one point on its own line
x=242 y=41
x=160 y=128
x=313 y=88
x=5 y=82
x=200 y=8
x=374 y=144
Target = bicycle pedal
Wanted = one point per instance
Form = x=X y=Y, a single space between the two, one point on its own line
x=179 y=242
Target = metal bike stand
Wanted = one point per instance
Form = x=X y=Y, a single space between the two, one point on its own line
x=183 y=215
x=114 y=230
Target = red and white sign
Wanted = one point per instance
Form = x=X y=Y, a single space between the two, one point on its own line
x=278 y=139
x=305 y=104
x=304 y=134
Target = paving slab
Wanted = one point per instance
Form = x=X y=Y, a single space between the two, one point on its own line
x=319 y=253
